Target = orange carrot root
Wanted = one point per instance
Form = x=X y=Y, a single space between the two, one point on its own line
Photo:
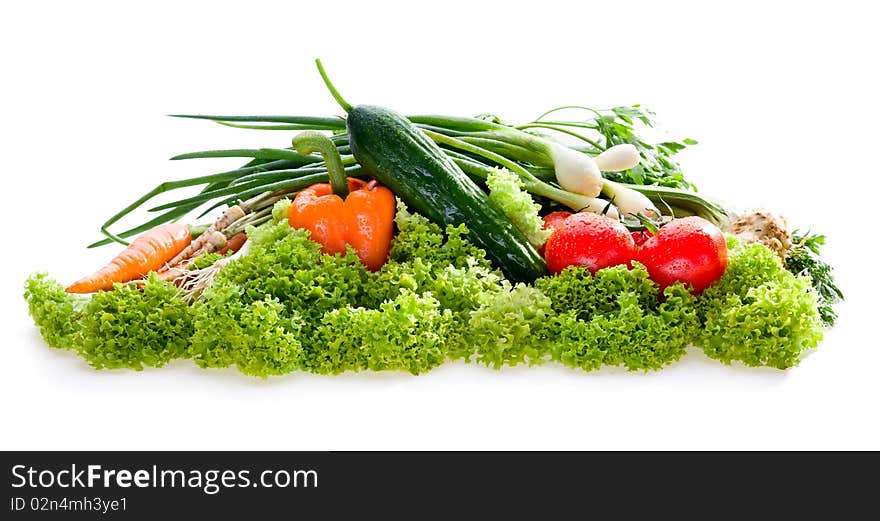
x=234 y=243
x=148 y=252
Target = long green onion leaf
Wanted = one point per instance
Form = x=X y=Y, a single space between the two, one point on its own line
x=289 y=126
x=170 y=215
x=288 y=185
x=332 y=123
x=207 y=196
x=566 y=107
x=690 y=201
x=258 y=153
x=456 y=123
x=564 y=130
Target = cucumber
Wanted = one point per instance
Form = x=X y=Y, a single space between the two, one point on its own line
x=405 y=160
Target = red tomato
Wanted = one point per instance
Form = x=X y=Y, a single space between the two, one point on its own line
x=591 y=240
x=690 y=250
x=553 y=221
x=640 y=237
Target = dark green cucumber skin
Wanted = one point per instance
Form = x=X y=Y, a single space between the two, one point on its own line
x=404 y=159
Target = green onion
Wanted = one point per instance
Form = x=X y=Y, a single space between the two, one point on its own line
x=642 y=175
x=689 y=202
x=629 y=201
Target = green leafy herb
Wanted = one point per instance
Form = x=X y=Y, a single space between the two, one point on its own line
x=804 y=259
x=658 y=167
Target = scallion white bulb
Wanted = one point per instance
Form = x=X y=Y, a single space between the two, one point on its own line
x=575 y=171
x=629 y=201
x=618 y=158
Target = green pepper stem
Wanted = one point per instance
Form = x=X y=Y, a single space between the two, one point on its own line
x=311 y=141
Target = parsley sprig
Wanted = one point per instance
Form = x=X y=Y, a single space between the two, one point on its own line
x=605 y=128
x=804 y=259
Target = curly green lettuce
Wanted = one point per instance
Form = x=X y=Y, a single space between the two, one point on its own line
x=617 y=317
x=280 y=210
x=284 y=264
x=457 y=288
x=263 y=308
x=509 y=327
x=260 y=338
x=131 y=327
x=419 y=238
x=404 y=334
x=127 y=327
x=759 y=313
x=206 y=260
x=425 y=260
x=395 y=277
x=577 y=290
x=506 y=191
x=55 y=312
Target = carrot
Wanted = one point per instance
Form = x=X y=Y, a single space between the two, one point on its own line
x=234 y=243
x=149 y=252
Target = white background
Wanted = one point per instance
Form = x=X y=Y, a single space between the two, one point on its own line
x=782 y=97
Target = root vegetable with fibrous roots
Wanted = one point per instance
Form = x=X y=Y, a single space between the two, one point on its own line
x=765 y=228
x=229 y=216
x=213 y=241
x=194 y=282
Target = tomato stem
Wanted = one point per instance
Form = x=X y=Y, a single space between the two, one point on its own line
x=645 y=223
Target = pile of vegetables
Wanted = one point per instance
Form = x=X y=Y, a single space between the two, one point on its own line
x=386 y=242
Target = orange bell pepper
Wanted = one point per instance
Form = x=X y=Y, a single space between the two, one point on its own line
x=364 y=220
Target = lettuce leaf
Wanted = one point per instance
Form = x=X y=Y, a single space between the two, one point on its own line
x=617 y=317
x=131 y=327
x=506 y=191
x=509 y=327
x=260 y=338
x=55 y=312
x=759 y=313
x=404 y=334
